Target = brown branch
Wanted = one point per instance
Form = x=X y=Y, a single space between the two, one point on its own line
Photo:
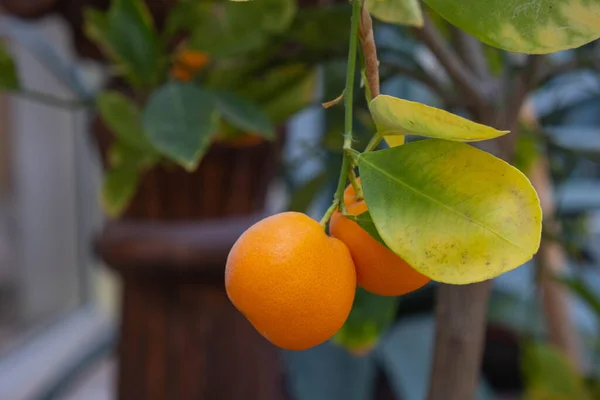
x=460 y=330
x=465 y=80
x=367 y=40
x=471 y=51
x=461 y=320
x=518 y=89
x=551 y=261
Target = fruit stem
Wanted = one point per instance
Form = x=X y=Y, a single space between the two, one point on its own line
x=332 y=208
x=373 y=143
x=348 y=118
x=355 y=185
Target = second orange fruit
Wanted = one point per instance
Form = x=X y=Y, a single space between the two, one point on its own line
x=378 y=269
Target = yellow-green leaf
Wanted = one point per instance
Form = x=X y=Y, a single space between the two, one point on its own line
x=455 y=213
x=394 y=116
x=533 y=26
x=403 y=12
x=394 y=140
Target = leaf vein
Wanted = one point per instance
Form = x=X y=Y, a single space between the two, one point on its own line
x=433 y=200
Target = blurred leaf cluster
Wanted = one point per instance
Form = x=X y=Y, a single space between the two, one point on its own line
x=217 y=71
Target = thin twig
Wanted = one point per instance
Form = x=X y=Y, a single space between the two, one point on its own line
x=338 y=201
x=469 y=84
x=367 y=41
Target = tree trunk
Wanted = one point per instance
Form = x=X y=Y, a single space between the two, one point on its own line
x=462 y=310
x=460 y=326
x=551 y=262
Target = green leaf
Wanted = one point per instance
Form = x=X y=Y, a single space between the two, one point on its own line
x=124 y=119
x=394 y=116
x=233 y=28
x=119 y=187
x=456 y=214
x=404 y=12
x=370 y=318
x=550 y=376
x=365 y=221
x=535 y=27
x=127 y=35
x=244 y=114
x=9 y=79
x=181 y=121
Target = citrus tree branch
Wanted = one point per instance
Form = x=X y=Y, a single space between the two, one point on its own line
x=465 y=80
x=367 y=41
x=348 y=116
x=471 y=51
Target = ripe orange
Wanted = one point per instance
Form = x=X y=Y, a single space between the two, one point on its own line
x=187 y=63
x=378 y=269
x=294 y=283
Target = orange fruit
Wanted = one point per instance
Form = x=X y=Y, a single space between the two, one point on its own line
x=181 y=73
x=378 y=269
x=294 y=283
x=188 y=63
x=194 y=60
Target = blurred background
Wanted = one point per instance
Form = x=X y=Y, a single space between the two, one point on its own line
x=132 y=305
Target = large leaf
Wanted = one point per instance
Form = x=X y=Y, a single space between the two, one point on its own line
x=124 y=119
x=181 y=121
x=550 y=376
x=404 y=12
x=127 y=35
x=455 y=213
x=370 y=318
x=8 y=73
x=244 y=114
x=536 y=26
x=394 y=116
